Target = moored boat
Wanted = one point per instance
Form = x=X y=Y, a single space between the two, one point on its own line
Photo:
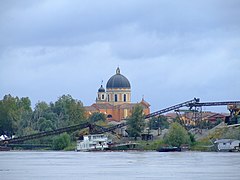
x=227 y=145
x=93 y=142
x=124 y=146
x=169 y=149
x=5 y=148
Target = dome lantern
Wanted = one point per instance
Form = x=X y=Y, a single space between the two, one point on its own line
x=118 y=71
x=118 y=81
x=101 y=89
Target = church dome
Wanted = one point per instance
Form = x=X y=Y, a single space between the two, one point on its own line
x=101 y=89
x=118 y=81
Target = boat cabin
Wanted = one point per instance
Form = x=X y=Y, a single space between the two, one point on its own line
x=227 y=145
x=93 y=142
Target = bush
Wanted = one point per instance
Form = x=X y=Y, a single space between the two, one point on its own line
x=96 y=116
x=203 y=145
x=177 y=135
x=152 y=145
x=61 y=142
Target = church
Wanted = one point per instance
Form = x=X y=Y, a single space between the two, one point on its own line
x=115 y=101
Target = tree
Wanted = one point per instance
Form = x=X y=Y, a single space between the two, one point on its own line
x=69 y=111
x=45 y=125
x=96 y=116
x=64 y=112
x=61 y=142
x=158 y=122
x=177 y=135
x=136 y=122
x=13 y=113
x=25 y=110
x=41 y=110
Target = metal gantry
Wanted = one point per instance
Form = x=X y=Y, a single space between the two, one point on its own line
x=44 y=134
x=177 y=106
x=219 y=103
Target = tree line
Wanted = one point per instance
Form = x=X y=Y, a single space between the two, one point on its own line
x=18 y=118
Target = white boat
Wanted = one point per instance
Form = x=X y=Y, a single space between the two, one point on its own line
x=94 y=142
x=227 y=145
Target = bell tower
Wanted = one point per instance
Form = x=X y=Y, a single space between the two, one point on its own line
x=101 y=95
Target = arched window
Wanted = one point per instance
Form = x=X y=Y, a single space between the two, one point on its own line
x=102 y=96
x=109 y=116
x=115 y=98
x=124 y=98
x=108 y=98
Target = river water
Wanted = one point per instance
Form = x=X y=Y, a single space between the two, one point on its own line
x=29 y=165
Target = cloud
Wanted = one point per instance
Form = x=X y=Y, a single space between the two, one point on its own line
x=170 y=51
x=64 y=22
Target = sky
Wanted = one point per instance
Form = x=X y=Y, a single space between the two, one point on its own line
x=171 y=51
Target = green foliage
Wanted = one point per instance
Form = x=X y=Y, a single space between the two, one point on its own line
x=45 y=125
x=232 y=133
x=136 y=122
x=158 y=122
x=71 y=147
x=40 y=112
x=17 y=118
x=152 y=145
x=177 y=135
x=103 y=124
x=225 y=133
x=64 y=112
x=203 y=145
x=96 y=116
x=61 y=142
x=28 y=131
x=192 y=138
x=14 y=114
x=68 y=111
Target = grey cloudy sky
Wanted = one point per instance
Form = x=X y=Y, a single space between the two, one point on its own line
x=171 y=51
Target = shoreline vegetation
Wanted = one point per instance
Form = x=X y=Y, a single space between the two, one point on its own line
x=17 y=118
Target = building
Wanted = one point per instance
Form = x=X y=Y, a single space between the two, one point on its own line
x=189 y=117
x=115 y=101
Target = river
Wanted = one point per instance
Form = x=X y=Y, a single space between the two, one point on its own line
x=31 y=165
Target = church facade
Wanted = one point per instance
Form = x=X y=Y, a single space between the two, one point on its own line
x=115 y=101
